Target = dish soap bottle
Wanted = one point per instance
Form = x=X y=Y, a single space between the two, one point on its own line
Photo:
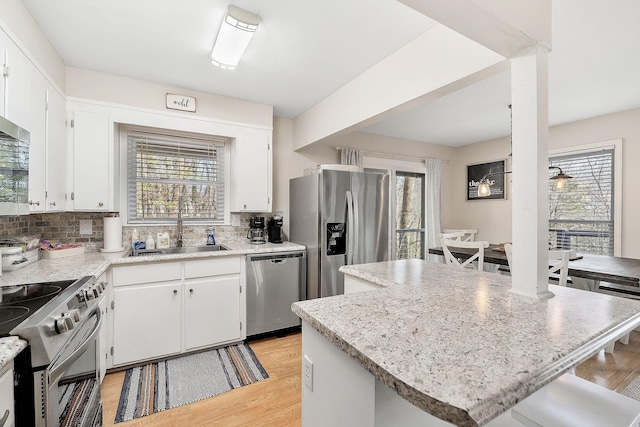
x=134 y=238
x=211 y=239
x=150 y=244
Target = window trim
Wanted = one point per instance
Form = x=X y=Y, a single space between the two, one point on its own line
x=122 y=173
x=616 y=145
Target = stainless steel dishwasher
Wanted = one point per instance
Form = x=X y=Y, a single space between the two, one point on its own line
x=274 y=282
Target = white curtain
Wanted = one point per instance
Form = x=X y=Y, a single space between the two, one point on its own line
x=351 y=156
x=433 y=206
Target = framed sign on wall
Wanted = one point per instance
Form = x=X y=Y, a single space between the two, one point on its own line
x=476 y=172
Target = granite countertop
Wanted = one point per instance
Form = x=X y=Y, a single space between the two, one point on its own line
x=456 y=343
x=9 y=348
x=76 y=266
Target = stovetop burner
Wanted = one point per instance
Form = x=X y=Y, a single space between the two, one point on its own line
x=19 y=301
x=11 y=313
x=23 y=293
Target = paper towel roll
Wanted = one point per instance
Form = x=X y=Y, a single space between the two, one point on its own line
x=112 y=234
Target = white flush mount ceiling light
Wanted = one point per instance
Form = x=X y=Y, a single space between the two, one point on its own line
x=234 y=37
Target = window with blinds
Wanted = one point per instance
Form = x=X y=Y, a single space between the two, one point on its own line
x=582 y=216
x=163 y=167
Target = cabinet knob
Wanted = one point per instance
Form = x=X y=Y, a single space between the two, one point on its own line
x=190 y=291
x=100 y=204
x=175 y=291
x=34 y=203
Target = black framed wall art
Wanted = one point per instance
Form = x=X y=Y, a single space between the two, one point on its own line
x=492 y=172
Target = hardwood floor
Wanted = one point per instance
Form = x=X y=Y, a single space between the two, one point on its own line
x=276 y=401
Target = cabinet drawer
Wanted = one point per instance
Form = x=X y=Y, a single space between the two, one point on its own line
x=211 y=267
x=146 y=273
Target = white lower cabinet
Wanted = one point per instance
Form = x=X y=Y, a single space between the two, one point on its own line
x=163 y=309
x=105 y=339
x=211 y=311
x=147 y=321
x=6 y=395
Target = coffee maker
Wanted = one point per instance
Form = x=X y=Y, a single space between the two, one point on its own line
x=274 y=229
x=256 y=230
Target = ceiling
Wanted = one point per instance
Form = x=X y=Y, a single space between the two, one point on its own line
x=305 y=50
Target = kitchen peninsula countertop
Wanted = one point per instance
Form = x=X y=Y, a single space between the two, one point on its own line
x=9 y=349
x=457 y=343
x=96 y=263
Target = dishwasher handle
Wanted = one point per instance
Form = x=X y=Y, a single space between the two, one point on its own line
x=280 y=257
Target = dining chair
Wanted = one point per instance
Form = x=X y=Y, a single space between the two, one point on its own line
x=477 y=257
x=558 y=263
x=453 y=235
x=469 y=235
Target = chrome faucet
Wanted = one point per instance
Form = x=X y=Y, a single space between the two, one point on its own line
x=180 y=229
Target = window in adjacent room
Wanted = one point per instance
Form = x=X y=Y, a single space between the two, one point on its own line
x=583 y=216
x=409 y=215
x=163 y=166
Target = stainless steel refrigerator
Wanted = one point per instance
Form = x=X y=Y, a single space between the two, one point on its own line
x=342 y=218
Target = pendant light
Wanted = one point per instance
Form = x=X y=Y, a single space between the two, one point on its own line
x=559 y=179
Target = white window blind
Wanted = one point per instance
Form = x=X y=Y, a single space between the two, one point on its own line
x=161 y=168
x=582 y=216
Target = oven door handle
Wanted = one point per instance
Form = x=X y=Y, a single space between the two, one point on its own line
x=61 y=367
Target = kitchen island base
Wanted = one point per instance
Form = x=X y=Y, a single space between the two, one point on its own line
x=343 y=393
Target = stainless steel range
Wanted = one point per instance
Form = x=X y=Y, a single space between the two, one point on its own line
x=57 y=378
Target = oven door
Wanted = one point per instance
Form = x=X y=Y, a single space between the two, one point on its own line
x=72 y=395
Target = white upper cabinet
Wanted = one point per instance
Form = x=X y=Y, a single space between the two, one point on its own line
x=4 y=46
x=24 y=105
x=91 y=154
x=32 y=103
x=56 y=151
x=251 y=176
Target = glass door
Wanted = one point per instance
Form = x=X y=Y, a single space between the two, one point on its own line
x=409 y=215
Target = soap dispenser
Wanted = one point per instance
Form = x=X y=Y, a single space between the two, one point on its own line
x=150 y=244
x=211 y=239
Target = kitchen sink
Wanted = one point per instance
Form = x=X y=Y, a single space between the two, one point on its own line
x=182 y=250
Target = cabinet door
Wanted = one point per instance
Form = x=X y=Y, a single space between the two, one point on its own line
x=146 y=321
x=56 y=151
x=6 y=395
x=37 y=146
x=105 y=340
x=212 y=311
x=90 y=161
x=251 y=172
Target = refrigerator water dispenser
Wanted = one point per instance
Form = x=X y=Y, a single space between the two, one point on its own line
x=336 y=238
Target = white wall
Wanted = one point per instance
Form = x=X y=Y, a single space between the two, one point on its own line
x=492 y=218
x=114 y=89
x=288 y=164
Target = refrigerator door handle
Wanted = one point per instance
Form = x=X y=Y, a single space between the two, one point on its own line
x=350 y=228
x=356 y=231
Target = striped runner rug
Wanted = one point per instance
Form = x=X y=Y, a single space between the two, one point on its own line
x=170 y=383
x=633 y=389
x=72 y=403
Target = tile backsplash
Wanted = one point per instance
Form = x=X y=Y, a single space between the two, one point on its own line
x=65 y=227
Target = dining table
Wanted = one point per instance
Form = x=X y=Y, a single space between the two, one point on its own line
x=588 y=271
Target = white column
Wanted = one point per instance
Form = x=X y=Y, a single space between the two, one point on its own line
x=529 y=100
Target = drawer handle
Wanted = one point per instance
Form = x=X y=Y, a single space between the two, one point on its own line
x=5 y=417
